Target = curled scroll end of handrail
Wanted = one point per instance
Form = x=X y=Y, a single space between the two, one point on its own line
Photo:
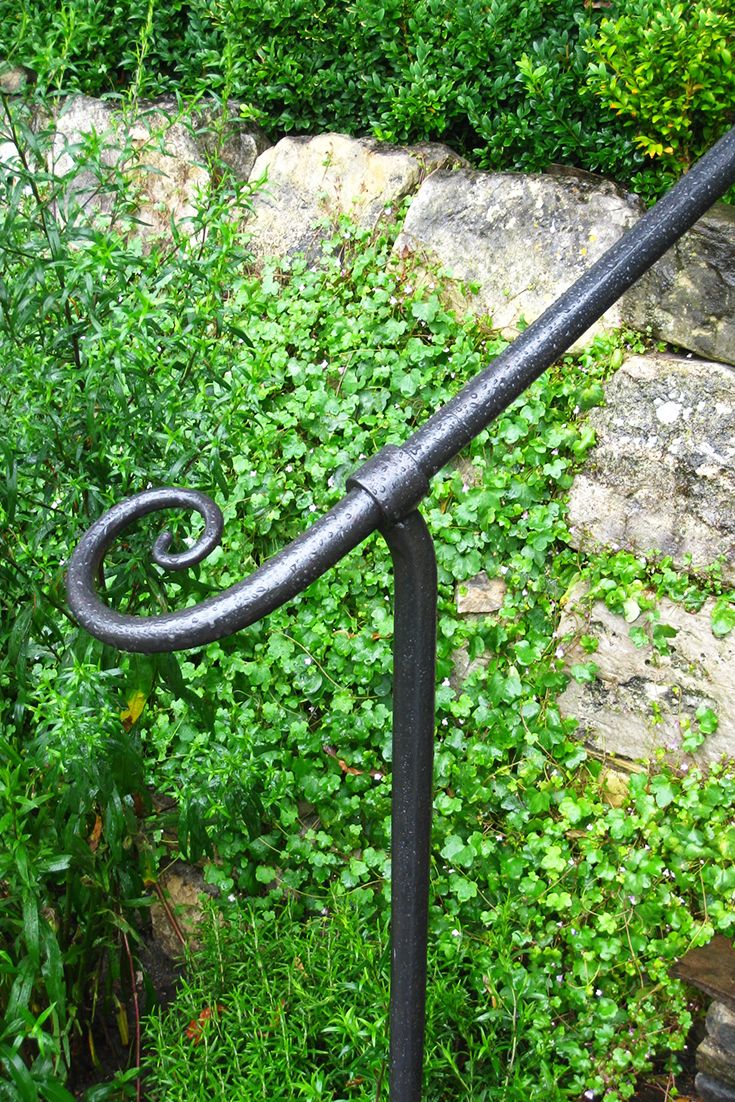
x=83 y=568
x=209 y=539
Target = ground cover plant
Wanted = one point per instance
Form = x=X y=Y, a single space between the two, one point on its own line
x=635 y=89
x=555 y=913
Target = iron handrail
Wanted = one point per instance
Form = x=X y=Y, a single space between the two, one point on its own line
x=383 y=496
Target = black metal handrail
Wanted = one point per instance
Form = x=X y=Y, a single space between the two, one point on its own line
x=383 y=496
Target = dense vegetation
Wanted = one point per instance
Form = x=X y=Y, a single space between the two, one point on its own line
x=635 y=90
x=558 y=905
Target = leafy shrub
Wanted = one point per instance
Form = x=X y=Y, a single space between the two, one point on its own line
x=667 y=70
x=70 y=884
x=508 y=83
x=469 y=73
x=97 y=46
x=283 y=1008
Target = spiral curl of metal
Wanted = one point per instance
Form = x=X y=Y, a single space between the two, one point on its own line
x=279 y=579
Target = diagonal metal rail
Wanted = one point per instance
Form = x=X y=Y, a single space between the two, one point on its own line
x=383 y=496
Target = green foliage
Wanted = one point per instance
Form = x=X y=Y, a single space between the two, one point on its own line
x=667 y=70
x=70 y=881
x=555 y=917
x=513 y=84
x=560 y=984
x=81 y=329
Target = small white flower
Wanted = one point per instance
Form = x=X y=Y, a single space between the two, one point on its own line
x=308 y=660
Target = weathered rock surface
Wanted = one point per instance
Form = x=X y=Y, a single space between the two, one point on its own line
x=522 y=239
x=716 y=1063
x=219 y=131
x=480 y=595
x=310 y=182
x=162 y=155
x=661 y=477
x=710 y=1090
x=721 y=1026
x=463 y=667
x=710 y=968
x=14 y=79
x=641 y=700
x=717 y=1055
x=688 y=297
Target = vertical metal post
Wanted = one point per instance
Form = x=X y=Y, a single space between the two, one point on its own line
x=414 y=663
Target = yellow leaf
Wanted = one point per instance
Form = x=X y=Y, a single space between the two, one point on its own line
x=136 y=704
x=122 y=1022
x=92 y=1050
x=614 y=787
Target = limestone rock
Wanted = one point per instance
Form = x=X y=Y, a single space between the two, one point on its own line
x=522 y=239
x=716 y=1063
x=661 y=477
x=721 y=1026
x=219 y=131
x=480 y=595
x=14 y=79
x=463 y=667
x=471 y=474
x=688 y=297
x=641 y=700
x=710 y=968
x=710 y=1090
x=160 y=153
x=310 y=182
x=9 y=158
